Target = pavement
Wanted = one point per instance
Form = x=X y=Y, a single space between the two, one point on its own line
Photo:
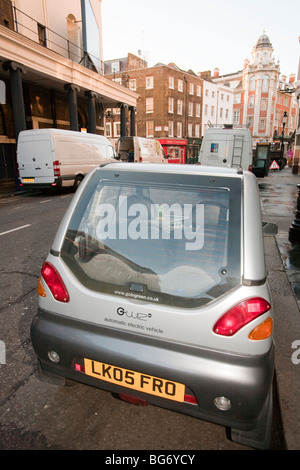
x=278 y=194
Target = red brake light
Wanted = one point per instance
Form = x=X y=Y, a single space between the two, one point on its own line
x=55 y=283
x=240 y=315
x=56 y=168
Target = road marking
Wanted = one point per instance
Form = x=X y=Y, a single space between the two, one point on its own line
x=47 y=200
x=14 y=229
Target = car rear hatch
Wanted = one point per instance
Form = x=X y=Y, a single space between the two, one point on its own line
x=154 y=252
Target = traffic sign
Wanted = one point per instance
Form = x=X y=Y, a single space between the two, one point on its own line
x=274 y=165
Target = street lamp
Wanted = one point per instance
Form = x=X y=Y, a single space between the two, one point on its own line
x=284 y=121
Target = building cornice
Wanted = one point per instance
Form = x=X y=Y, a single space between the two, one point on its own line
x=46 y=64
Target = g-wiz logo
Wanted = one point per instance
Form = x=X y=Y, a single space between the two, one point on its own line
x=134 y=315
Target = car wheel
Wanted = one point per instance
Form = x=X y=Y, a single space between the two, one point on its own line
x=77 y=181
x=260 y=436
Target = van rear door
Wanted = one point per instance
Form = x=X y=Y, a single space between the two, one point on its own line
x=35 y=160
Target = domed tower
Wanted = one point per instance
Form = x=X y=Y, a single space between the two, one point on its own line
x=260 y=83
x=262 y=52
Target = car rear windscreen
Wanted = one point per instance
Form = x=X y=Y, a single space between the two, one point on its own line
x=169 y=242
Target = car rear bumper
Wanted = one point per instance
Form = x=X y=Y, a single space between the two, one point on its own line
x=206 y=374
x=38 y=184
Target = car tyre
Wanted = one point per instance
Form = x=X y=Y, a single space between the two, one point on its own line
x=77 y=182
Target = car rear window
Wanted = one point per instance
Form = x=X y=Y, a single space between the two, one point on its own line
x=170 y=239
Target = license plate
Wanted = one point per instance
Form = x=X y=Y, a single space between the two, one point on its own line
x=28 y=180
x=135 y=380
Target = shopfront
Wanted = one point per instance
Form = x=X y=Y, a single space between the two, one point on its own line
x=175 y=149
x=193 y=149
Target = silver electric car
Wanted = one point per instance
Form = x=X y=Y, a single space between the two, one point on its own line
x=155 y=289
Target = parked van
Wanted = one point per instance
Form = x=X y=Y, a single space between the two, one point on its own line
x=140 y=149
x=56 y=157
x=227 y=146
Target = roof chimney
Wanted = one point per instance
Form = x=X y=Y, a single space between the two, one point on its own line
x=216 y=73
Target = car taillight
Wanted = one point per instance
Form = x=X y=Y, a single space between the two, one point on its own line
x=240 y=315
x=56 y=168
x=55 y=282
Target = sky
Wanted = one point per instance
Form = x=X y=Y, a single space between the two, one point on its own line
x=201 y=34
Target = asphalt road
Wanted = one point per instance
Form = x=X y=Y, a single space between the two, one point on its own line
x=38 y=416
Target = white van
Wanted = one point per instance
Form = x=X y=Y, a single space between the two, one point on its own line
x=140 y=149
x=227 y=146
x=56 y=157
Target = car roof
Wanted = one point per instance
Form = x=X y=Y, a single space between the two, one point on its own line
x=174 y=169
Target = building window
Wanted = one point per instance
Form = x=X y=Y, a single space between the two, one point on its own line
x=171 y=105
x=212 y=111
x=262 y=124
x=251 y=101
x=191 y=89
x=179 y=129
x=221 y=112
x=236 y=117
x=190 y=129
x=198 y=90
x=237 y=98
x=252 y=84
x=205 y=109
x=132 y=84
x=226 y=113
x=179 y=106
x=206 y=92
x=149 y=105
x=198 y=108
x=171 y=130
x=171 y=83
x=212 y=94
x=73 y=38
x=108 y=129
x=42 y=34
x=250 y=121
x=180 y=85
x=263 y=105
x=265 y=84
x=197 y=130
x=117 y=129
x=149 y=83
x=149 y=129
x=190 y=108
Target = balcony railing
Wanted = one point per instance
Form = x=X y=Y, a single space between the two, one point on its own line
x=26 y=26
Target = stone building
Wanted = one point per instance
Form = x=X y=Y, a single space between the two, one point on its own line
x=261 y=95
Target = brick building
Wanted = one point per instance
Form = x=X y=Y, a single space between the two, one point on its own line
x=169 y=106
